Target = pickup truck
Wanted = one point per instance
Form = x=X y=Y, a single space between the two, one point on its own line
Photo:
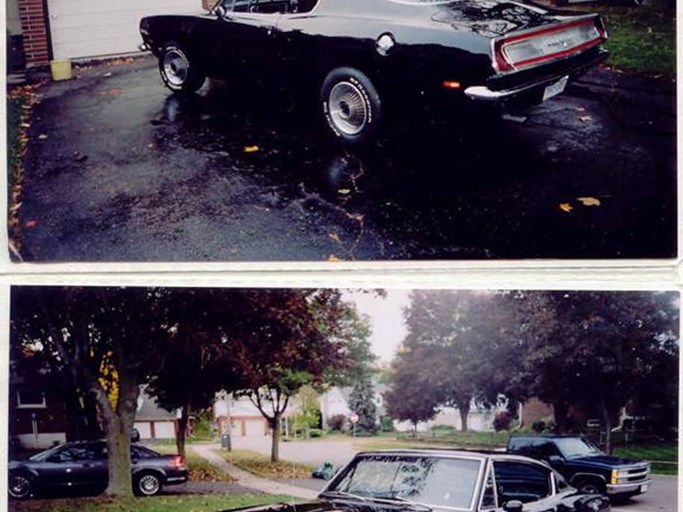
x=584 y=465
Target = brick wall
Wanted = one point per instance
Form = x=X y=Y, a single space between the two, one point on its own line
x=208 y=4
x=33 y=17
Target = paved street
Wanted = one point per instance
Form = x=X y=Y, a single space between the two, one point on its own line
x=118 y=169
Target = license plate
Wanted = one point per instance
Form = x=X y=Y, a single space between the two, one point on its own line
x=643 y=488
x=556 y=88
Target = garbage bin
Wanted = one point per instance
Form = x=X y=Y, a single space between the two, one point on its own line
x=225 y=442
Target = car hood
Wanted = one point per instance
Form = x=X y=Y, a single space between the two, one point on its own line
x=605 y=461
x=495 y=18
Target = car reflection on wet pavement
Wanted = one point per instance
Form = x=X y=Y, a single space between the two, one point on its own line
x=128 y=172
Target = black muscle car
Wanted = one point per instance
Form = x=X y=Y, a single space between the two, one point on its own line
x=367 y=59
x=83 y=465
x=444 y=480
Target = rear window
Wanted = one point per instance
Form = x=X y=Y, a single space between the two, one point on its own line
x=515 y=443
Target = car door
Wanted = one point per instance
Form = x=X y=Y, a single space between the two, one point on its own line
x=64 y=468
x=528 y=482
x=249 y=36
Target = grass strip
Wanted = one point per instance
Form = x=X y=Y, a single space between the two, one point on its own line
x=200 y=470
x=169 y=503
x=260 y=465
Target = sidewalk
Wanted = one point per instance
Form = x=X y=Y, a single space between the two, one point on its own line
x=206 y=451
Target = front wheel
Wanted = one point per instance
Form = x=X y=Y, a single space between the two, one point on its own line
x=147 y=484
x=351 y=106
x=178 y=72
x=590 y=487
x=19 y=486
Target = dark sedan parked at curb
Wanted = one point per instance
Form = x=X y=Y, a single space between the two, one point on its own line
x=369 y=59
x=444 y=480
x=83 y=465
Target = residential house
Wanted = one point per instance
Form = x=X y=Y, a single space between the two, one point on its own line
x=154 y=422
x=238 y=417
x=83 y=29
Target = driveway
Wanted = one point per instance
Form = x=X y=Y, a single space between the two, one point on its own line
x=663 y=496
x=118 y=169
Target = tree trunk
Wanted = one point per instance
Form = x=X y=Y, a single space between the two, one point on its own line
x=275 y=448
x=608 y=426
x=464 y=410
x=182 y=429
x=119 y=460
x=119 y=428
x=560 y=414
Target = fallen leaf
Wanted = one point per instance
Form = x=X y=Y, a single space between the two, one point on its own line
x=344 y=191
x=42 y=136
x=335 y=237
x=251 y=149
x=332 y=257
x=589 y=201
x=31 y=223
x=566 y=207
x=585 y=119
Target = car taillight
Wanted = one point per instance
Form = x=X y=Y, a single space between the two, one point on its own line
x=519 y=51
x=178 y=461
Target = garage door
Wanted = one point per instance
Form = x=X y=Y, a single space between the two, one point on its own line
x=96 y=28
x=255 y=427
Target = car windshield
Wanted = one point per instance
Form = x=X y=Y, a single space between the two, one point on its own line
x=573 y=447
x=47 y=453
x=431 y=481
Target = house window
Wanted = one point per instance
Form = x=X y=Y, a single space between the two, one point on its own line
x=30 y=399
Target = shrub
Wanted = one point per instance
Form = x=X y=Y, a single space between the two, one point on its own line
x=386 y=424
x=502 y=421
x=336 y=422
x=315 y=432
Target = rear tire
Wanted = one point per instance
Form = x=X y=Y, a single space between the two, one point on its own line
x=19 y=486
x=147 y=484
x=351 y=106
x=178 y=71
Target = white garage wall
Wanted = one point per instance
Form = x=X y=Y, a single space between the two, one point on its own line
x=96 y=28
x=164 y=430
x=144 y=429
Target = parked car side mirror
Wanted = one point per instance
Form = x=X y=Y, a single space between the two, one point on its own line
x=513 y=506
x=220 y=11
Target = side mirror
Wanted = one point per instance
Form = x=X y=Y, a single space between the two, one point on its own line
x=513 y=506
x=220 y=11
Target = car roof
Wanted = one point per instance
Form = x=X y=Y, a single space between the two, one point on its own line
x=451 y=453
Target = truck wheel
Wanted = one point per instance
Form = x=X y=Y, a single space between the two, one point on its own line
x=351 y=106
x=179 y=73
x=147 y=484
x=591 y=487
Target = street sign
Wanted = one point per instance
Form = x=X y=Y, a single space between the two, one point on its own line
x=354 y=418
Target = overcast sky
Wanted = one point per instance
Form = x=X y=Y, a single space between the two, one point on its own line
x=386 y=319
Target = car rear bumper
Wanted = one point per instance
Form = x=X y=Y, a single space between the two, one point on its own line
x=531 y=90
x=178 y=477
x=629 y=488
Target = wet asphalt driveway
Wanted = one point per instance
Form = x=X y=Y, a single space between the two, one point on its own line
x=118 y=169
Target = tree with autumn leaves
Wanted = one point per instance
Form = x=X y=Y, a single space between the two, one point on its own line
x=184 y=344
x=601 y=349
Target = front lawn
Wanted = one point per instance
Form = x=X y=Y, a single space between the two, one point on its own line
x=260 y=465
x=641 y=39
x=446 y=438
x=177 y=503
x=663 y=457
x=199 y=469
